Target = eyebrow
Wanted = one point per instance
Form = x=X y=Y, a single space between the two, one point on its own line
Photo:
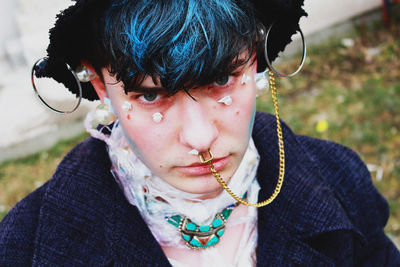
x=144 y=89
x=158 y=89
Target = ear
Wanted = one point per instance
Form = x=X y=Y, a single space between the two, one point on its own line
x=254 y=66
x=97 y=82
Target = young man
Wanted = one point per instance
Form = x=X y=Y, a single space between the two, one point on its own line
x=176 y=79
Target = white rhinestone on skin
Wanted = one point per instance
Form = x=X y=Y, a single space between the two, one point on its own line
x=194 y=152
x=157 y=117
x=126 y=106
x=227 y=100
x=245 y=78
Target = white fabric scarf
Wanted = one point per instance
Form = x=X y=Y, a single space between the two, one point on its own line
x=142 y=189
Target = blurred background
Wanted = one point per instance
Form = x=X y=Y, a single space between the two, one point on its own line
x=348 y=91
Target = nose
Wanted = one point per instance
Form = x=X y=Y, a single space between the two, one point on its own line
x=198 y=130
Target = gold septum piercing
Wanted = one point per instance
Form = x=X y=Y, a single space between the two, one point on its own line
x=222 y=182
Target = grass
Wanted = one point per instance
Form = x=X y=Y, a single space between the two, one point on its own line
x=350 y=95
x=20 y=177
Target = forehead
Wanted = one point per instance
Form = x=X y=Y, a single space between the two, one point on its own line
x=150 y=82
x=155 y=81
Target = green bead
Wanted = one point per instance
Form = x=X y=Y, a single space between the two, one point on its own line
x=186 y=237
x=173 y=223
x=214 y=240
x=204 y=228
x=175 y=220
x=221 y=232
x=226 y=213
x=191 y=227
x=195 y=243
x=217 y=223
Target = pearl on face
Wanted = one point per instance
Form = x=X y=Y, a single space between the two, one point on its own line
x=227 y=100
x=245 y=78
x=104 y=115
x=126 y=106
x=157 y=117
x=194 y=152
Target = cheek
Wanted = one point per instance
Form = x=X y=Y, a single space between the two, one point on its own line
x=244 y=120
x=128 y=135
x=133 y=125
x=142 y=133
x=151 y=141
x=242 y=110
x=253 y=116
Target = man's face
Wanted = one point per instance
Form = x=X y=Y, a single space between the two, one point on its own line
x=185 y=125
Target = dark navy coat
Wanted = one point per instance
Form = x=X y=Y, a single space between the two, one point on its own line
x=327 y=214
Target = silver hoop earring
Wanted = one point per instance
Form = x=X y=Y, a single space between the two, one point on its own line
x=33 y=75
x=303 y=59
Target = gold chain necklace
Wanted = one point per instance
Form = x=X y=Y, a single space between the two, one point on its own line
x=221 y=181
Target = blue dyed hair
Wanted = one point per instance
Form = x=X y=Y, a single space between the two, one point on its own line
x=186 y=43
x=183 y=42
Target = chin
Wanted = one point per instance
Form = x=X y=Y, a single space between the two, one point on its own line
x=205 y=185
x=199 y=184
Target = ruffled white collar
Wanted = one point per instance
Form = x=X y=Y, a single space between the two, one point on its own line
x=145 y=190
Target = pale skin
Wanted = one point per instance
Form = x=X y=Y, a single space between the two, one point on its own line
x=186 y=125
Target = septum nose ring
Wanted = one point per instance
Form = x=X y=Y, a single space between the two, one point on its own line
x=202 y=160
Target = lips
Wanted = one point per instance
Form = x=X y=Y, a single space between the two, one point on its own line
x=196 y=169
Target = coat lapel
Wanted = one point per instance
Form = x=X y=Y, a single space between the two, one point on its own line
x=85 y=219
x=134 y=243
x=306 y=207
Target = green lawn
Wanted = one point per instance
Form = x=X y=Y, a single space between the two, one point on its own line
x=20 y=177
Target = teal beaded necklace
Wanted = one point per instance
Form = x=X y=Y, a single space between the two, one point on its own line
x=202 y=236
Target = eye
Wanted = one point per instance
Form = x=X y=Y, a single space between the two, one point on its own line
x=150 y=97
x=222 y=80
